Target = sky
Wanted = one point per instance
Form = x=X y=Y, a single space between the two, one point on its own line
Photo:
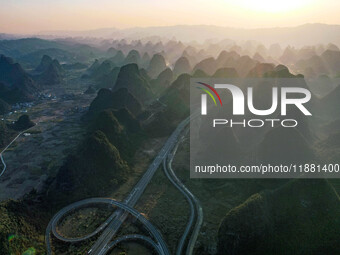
x=33 y=16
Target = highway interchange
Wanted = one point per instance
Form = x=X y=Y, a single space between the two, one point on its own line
x=111 y=226
x=52 y=227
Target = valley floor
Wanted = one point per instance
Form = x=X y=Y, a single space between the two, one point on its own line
x=33 y=158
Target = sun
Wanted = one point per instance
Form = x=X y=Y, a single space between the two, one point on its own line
x=272 y=6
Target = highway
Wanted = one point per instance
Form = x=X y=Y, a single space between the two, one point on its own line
x=196 y=210
x=1 y=157
x=112 y=225
x=52 y=226
x=137 y=191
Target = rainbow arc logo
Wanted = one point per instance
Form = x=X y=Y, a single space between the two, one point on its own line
x=204 y=96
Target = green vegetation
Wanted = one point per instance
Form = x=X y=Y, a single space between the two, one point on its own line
x=301 y=217
x=85 y=220
x=119 y=99
x=121 y=129
x=96 y=168
x=126 y=126
x=131 y=77
x=168 y=214
x=329 y=149
x=50 y=72
x=100 y=164
x=4 y=107
x=21 y=228
x=285 y=145
x=15 y=84
x=176 y=99
x=5 y=134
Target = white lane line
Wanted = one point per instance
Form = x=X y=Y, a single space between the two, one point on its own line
x=4 y=150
